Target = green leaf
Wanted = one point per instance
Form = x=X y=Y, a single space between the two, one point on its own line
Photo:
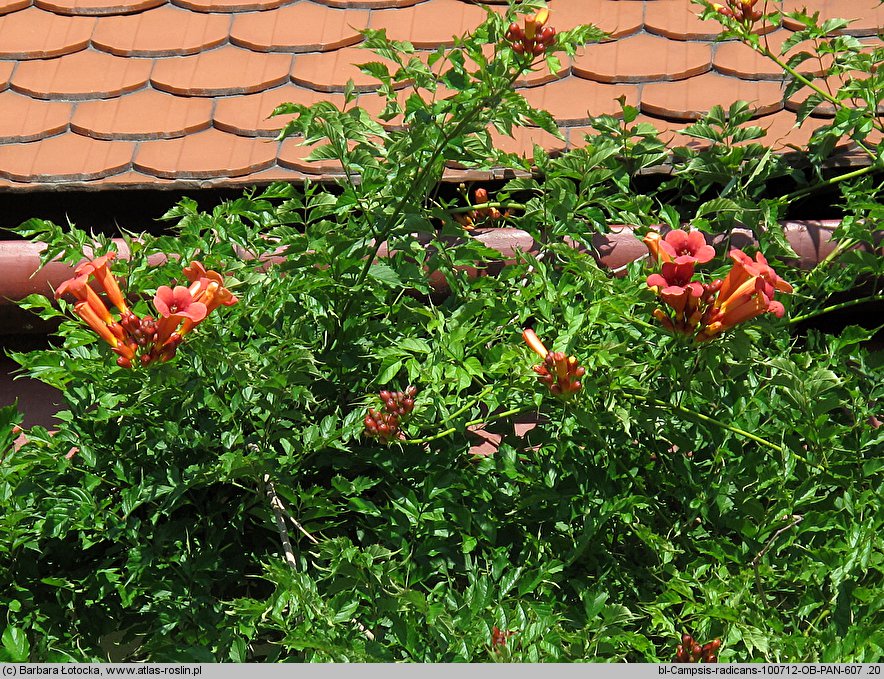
x=384 y=273
x=389 y=372
x=16 y=645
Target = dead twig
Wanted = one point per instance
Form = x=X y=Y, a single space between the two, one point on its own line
x=276 y=506
x=295 y=522
x=280 y=513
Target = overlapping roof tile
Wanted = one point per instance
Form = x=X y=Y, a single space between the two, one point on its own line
x=174 y=93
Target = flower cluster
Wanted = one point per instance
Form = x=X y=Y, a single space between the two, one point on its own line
x=705 y=310
x=144 y=339
x=472 y=217
x=560 y=373
x=741 y=10
x=535 y=37
x=499 y=637
x=384 y=424
x=690 y=651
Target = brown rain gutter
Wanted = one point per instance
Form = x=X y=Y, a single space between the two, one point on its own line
x=20 y=260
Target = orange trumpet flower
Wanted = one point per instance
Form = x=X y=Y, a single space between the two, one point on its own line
x=99 y=269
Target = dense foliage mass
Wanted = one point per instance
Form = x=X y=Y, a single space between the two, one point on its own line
x=266 y=449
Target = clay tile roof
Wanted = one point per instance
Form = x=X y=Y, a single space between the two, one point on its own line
x=113 y=94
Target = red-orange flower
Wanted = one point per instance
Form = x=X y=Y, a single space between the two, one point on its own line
x=741 y=10
x=85 y=311
x=102 y=273
x=180 y=309
x=78 y=286
x=174 y=306
x=499 y=637
x=678 y=243
x=676 y=276
x=178 y=303
x=533 y=341
x=559 y=372
x=746 y=292
x=652 y=240
x=206 y=287
x=705 y=310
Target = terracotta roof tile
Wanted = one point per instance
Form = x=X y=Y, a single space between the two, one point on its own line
x=368 y=4
x=7 y=6
x=618 y=18
x=146 y=114
x=302 y=27
x=293 y=154
x=574 y=101
x=830 y=85
x=210 y=153
x=6 y=68
x=273 y=174
x=192 y=82
x=83 y=75
x=64 y=157
x=131 y=179
x=249 y=115
x=222 y=71
x=428 y=24
x=643 y=58
x=164 y=31
x=97 y=7
x=541 y=75
x=867 y=15
x=34 y=34
x=739 y=60
x=780 y=130
x=523 y=140
x=24 y=119
x=230 y=5
x=672 y=100
x=330 y=71
x=676 y=20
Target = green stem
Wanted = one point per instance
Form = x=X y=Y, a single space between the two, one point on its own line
x=718 y=423
x=705 y=418
x=482 y=206
x=417 y=185
x=471 y=423
x=460 y=411
x=809 y=83
x=820 y=268
x=868 y=169
x=835 y=307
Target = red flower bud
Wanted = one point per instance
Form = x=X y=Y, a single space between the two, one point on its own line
x=547 y=35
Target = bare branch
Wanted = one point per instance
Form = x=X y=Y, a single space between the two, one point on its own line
x=279 y=515
x=276 y=506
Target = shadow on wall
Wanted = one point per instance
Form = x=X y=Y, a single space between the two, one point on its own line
x=38 y=402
